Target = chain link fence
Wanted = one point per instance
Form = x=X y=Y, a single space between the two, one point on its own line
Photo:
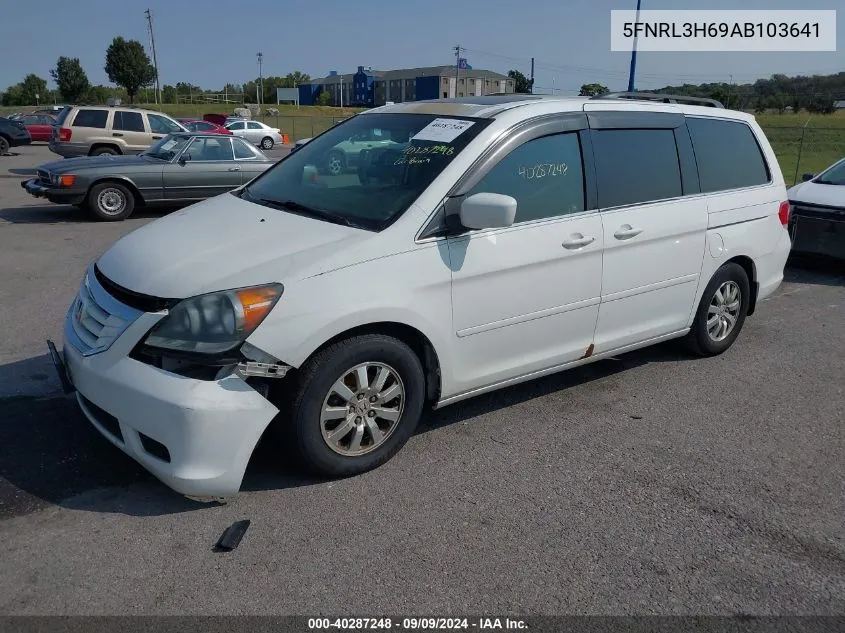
x=805 y=149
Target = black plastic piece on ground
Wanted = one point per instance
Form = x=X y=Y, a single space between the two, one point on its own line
x=232 y=536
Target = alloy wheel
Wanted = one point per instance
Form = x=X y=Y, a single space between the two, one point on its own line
x=723 y=311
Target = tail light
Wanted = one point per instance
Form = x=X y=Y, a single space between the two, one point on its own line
x=784 y=212
x=65 y=134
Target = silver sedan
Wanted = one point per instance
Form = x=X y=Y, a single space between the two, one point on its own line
x=256 y=133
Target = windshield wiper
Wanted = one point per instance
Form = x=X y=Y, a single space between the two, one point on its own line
x=296 y=207
x=824 y=182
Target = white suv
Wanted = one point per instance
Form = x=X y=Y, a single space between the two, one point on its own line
x=498 y=239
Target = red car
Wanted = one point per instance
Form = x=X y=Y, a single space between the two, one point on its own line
x=40 y=126
x=203 y=127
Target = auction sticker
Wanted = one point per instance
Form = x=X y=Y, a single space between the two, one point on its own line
x=443 y=130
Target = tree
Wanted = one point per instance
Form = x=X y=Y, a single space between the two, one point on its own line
x=296 y=78
x=71 y=79
x=127 y=65
x=13 y=96
x=591 y=90
x=324 y=98
x=521 y=83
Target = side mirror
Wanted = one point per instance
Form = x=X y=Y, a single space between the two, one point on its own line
x=184 y=158
x=488 y=211
x=806 y=177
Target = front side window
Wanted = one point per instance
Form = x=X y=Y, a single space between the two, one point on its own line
x=210 y=149
x=727 y=154
x=91 y=118
x=635 y=166
x=162 y=125
x=331 y=179
x=236 y=126
x=544 y=175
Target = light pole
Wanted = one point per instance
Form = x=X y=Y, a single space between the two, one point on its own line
x=260 y=90
x=633 y=70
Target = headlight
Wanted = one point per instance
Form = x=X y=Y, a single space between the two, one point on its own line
x=216 y=322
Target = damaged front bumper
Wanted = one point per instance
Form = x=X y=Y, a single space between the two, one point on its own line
x=195 y=435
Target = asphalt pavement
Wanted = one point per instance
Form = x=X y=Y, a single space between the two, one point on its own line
x=652 y=483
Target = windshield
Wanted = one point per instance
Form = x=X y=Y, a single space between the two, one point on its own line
x=366 y=171
x=835 y=175
x=168 y=147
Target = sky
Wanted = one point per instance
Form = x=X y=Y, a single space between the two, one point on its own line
x=214 y=42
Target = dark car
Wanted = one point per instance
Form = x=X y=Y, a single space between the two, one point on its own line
x=12 y=134
x=181 y=168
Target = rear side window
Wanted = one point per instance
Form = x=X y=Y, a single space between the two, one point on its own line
x=636 y=166
x=91 y=118
x=727 y=154
x=128 y=121
x=252 y=125
x=242 y=150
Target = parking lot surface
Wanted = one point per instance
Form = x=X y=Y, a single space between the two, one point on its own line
x=649 y=483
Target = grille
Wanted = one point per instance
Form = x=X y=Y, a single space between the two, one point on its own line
x=96 y=318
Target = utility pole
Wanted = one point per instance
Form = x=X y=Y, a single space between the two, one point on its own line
x=457 y=67
x=633 y=70
x=153 y=47
x=531 y=86
x=260 y=90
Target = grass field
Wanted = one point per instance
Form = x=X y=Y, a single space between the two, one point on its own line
x=823 y=137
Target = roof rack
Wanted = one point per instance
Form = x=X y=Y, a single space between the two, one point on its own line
x=663 y=98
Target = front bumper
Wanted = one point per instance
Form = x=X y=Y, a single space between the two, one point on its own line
x=203 y=432
x=38 y=189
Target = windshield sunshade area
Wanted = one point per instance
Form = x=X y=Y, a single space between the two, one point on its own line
x=168 y=147
x=366 y=171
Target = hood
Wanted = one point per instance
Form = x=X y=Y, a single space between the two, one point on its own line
x=814 y=193
x=69 y=165
x=224 y=243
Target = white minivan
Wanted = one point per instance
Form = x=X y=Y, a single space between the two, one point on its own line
x=496 y=240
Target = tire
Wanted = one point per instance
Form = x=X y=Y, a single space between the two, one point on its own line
x=336 y=163
x=4 y=146
x=110 y=201
x=266 y=143
x=313 y=389
x=711 y=339
x=100 y=151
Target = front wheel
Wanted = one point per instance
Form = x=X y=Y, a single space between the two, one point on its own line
x=356 y=403
x=4 y=146
x=721 y=312
x=110 y=201
x=266 y=143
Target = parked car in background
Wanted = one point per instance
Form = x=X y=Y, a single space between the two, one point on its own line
x=512 y=238
x=13 y=133
x=257 y=133
x=98 y=130
x=817 y=225
x=345 y=155
x=203 y=127
x=40 y=126
x=219 y=119
x=180 y=168
x=298 y=144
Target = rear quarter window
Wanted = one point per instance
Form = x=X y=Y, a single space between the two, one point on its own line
x=727 y=154
x=91 y=118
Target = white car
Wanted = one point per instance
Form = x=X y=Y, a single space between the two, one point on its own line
x=256 y=132
x=817 y=223
x=505 y=239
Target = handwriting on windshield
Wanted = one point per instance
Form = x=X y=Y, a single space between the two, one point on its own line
x=541 y=170
x=411 y=160
x=444 y=150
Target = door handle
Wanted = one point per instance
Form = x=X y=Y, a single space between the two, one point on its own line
x=156 y=137
x=234 y=168
x=577 y=241
x=626 y=232
x=116 y=134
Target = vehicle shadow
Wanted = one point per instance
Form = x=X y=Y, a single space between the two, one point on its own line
x=809 y=269
x=64 y=213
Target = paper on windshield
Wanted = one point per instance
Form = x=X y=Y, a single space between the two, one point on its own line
x=443 y=130
x=168 y=145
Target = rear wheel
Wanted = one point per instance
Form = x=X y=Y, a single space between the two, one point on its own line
x=4 y=145
x=721 y=312
x=111 y=201
x=266 y=143
x=101 y=151
x=356 y=403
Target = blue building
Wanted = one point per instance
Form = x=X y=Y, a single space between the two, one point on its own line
x=369 y=88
